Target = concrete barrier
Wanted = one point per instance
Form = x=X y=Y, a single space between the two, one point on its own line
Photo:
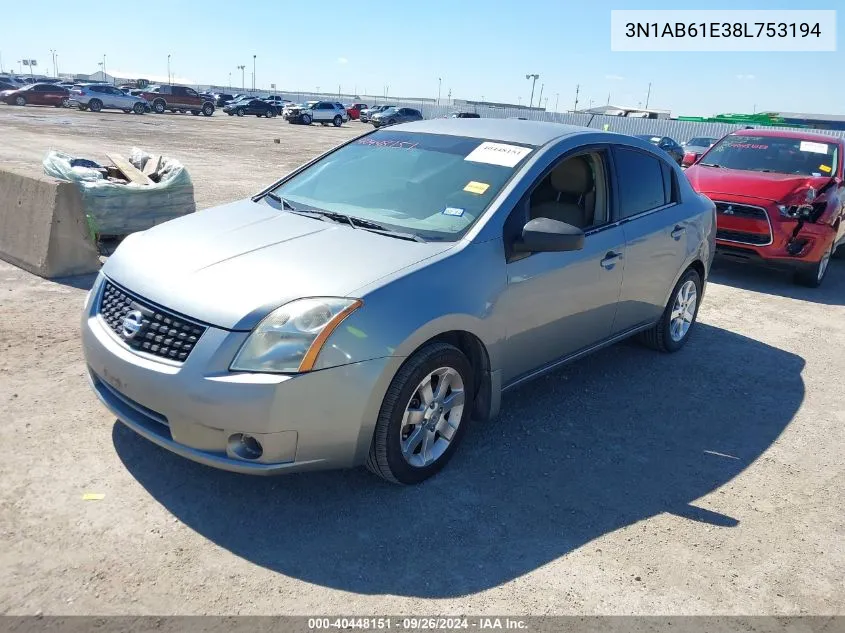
x=43 y=228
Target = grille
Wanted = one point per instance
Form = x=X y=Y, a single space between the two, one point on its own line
x=741 y=210
x=156 y=331
x=759 y=239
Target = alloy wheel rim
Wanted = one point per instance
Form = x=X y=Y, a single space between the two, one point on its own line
x=683 y=311
x=823 y=264
x=432 y=417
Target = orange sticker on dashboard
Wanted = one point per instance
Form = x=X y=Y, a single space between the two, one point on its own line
x=825 y=169
x=476 y=187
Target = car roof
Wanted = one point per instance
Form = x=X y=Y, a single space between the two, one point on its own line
x=509 y=130
x=807 y=136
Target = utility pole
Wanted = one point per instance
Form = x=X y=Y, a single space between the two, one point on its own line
x=53 y=55
x=439 y=81
x=648 y=95
x=608 y=99
x=243 y=83
x=534 y=79
x=229 y=86
x=577 y=88
x=104 y=67
x=557 y=96
x=168 y=68
x=253 y=72
x=449 y=96
x=540 y=98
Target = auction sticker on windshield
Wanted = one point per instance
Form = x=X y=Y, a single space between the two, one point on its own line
x=498 y=154
x=816 y=148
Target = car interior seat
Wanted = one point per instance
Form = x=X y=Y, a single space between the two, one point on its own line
x=573 y=186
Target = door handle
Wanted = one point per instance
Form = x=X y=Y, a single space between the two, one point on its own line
x=677 y=232
x=610 y=260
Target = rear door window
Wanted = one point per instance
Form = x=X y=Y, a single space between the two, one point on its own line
x=640 y=181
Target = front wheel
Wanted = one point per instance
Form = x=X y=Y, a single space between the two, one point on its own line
x=82 y=107
x=95 y=105
x=671 y=332
x=207 y=109
x=813 y=276
x=239 y=111
x=424 y=415
x=64 y=102
x=21 y=101
x=306 y=119
x=158 y=107
x=338 y=121
x=138 y=108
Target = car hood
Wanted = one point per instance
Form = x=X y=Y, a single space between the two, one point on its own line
x=754 y=184
x=230 y=266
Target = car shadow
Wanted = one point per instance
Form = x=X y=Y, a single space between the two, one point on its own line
x=613 y=439
x=777 y=282
x=83 y=282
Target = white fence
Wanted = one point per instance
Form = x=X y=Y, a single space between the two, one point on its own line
x=678 y=130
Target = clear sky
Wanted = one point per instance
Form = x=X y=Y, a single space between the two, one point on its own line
x=478 y=48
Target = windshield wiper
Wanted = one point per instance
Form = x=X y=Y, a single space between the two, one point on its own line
x=277 y=198
x=710 y=165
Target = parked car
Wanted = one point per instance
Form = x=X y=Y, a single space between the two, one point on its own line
x=519 y=217
x=464 y=115
x=779 y=196
x=696 y=145
x=221 y=99
x=367 y=113
x=324 y=112
x=178 y=99
x=392 y=116
x=5 y=85
x=667 y=144
x=276 y=101
x=37 y=94
x=257 y=107
x=106 y=97
x=354 y=110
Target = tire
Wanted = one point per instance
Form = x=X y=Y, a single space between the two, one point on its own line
x=95 y=105
x=239 y=112
x=392 y=122
x=207 y=109
x=338 y=121
x=662 y=336
x=306 y=119
x=813 y=276
x=20 y=100
x=82 y=107
x=386 y=458
x=230 y=113
x=273 y=114
x=268 y=114
x=138 y=108
x=195 y=112
x=182 y=111
x=64 y=102
x=159 y=106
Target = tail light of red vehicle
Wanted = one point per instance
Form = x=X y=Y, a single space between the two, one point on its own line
x=689 y=159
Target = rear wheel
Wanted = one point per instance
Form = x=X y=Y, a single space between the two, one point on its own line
x=268 y=114
x=671 y=332
x=159 y=107
x=82 y=107
x=207 y=109
x=814 y=275
x=63 y=103
x=95 y=105
x=423 y=416
x=338 y=121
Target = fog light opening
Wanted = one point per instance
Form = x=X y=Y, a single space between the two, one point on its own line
x=245 y=446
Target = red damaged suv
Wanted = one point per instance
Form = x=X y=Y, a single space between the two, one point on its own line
x=779 y=198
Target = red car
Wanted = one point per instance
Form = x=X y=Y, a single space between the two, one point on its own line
x=354 y=111
x=779 y=198
x=37 y=94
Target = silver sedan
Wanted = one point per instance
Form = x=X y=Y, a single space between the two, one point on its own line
x=365 y=308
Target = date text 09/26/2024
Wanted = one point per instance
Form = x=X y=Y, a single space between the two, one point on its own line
x=416 y=623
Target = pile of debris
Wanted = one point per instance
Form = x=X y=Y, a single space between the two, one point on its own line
x=129 y=195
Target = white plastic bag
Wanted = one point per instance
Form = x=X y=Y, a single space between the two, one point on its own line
x=121 y=209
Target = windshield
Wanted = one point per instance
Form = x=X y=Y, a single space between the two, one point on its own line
x=433 y=186
x=774 y=154
x=701 y=141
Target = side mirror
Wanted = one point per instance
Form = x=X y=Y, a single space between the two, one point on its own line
x=542 y=235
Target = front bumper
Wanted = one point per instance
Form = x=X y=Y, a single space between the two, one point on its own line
x=323 y=419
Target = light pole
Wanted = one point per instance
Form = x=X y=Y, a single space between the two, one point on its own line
x=557 y=97
x=439 y=81
x=253 y=72
x=53 y=55
x=168 y=68
x=104 y=67
x=534 y=79
x=577 y=88
x=243 y=84
x=540 y=98
x=648 y=95
x=229 y=86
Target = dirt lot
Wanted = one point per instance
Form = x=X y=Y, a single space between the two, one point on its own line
x=709 y=481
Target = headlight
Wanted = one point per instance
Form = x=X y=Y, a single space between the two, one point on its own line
x=289 y=339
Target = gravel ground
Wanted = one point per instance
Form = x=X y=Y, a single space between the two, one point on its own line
x=705 y=482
